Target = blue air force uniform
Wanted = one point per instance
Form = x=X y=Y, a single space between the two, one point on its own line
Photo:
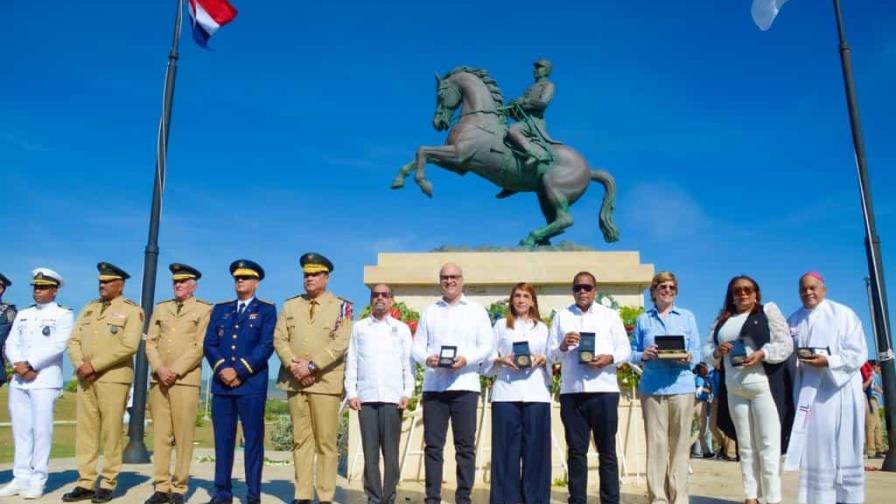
x=244 y=341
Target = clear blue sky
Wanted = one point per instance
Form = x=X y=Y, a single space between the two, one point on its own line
x=730 y=146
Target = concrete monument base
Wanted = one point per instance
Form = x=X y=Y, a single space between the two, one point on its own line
x=489 y=276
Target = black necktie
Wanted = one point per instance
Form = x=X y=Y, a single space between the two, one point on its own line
x=180 y=304
x=242 y=307
x=105 y=305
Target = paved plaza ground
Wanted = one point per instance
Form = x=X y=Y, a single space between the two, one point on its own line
x=712 y=482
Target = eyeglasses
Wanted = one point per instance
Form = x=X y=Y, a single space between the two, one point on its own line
x=745 y=289
x=448 y=278
x=243 y=278
x=376 y=294
x=667 y=287
x=582 y=287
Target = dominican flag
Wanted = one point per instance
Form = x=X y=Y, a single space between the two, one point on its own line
x=208 y=16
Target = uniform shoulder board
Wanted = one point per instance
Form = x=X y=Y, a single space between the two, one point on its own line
x=64 y=307
x=128 y=301
x=222 y=303
x=265 y=302
x=297 y=296
x=202 y=301
x=167 y=301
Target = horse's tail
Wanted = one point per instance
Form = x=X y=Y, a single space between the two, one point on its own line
x=611 y=233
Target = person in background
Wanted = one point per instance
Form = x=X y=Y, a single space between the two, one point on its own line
x=7 y=315
x=727 y=445
x=701 y=440
x=874 y=432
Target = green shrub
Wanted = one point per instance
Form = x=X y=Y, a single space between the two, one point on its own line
x=281 y=434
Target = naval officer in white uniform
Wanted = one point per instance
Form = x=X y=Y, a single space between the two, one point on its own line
x=34 y=348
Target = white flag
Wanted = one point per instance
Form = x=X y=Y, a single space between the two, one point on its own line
x=764 y=12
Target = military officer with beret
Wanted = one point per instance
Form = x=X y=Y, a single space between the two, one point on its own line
x=238 y=344
x=102 y=347
x=35 y=347
x=311 y=340
x=7 y=315
x=174 y=350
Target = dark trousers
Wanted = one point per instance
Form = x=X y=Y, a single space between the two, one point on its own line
x=438 y=408
x=521 y=432
x=583 y=415
x=249 y=410
x=380 y=432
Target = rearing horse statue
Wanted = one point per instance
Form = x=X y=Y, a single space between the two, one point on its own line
x=476 y=144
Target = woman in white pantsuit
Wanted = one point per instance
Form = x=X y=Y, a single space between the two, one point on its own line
x=753 y=342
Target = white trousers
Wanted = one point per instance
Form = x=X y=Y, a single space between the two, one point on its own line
x=758 y=426
x=31 y=413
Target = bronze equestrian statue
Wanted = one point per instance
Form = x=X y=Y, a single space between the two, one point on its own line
x=518 y=158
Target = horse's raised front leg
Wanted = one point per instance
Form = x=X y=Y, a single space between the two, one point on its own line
x=442 y=155
x=398 y=181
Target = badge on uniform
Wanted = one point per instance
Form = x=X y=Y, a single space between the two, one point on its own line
x=220 y=332
x=253 y=316
x=46 y=331
x=114 y=329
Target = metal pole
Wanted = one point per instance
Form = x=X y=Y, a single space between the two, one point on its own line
x=135 y=452
x=872 y=249
x=871 y=311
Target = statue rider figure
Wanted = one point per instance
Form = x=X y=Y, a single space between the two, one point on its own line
x=533 y=102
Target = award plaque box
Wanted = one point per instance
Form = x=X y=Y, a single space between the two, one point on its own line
x=738 y=353
x=521 y=355
x=809 y=352
x=670 y=346
x=447 y=355
x=586 y=347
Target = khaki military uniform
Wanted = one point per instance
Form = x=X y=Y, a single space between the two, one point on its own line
x=174 y=340
x=316 y=330
x=107 y=334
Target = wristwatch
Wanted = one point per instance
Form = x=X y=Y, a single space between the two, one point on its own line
x=312 y=367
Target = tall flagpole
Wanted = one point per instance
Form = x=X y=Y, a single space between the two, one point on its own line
x=879 y=313
x=135 y=452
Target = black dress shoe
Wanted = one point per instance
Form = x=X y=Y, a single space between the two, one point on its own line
x=158 y=498
x=216 y=500
x=176 y=498
x=102 y=495
x=78 y=494
x=301 y=501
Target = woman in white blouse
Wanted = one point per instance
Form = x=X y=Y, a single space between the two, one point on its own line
x=521 y=409
x=753 y=342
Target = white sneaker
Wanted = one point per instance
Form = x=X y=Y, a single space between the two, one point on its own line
x=33 y=492
x=10 y=489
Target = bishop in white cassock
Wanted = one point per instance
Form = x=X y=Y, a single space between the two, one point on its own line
x=829 y=429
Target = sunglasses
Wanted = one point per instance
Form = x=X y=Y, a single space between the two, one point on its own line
x=746 y=289
x=384 y=295
x=667 y=287
x=582 y=287
x=243 y=278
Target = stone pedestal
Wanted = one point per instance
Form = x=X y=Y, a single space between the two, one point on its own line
x=489 y=276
